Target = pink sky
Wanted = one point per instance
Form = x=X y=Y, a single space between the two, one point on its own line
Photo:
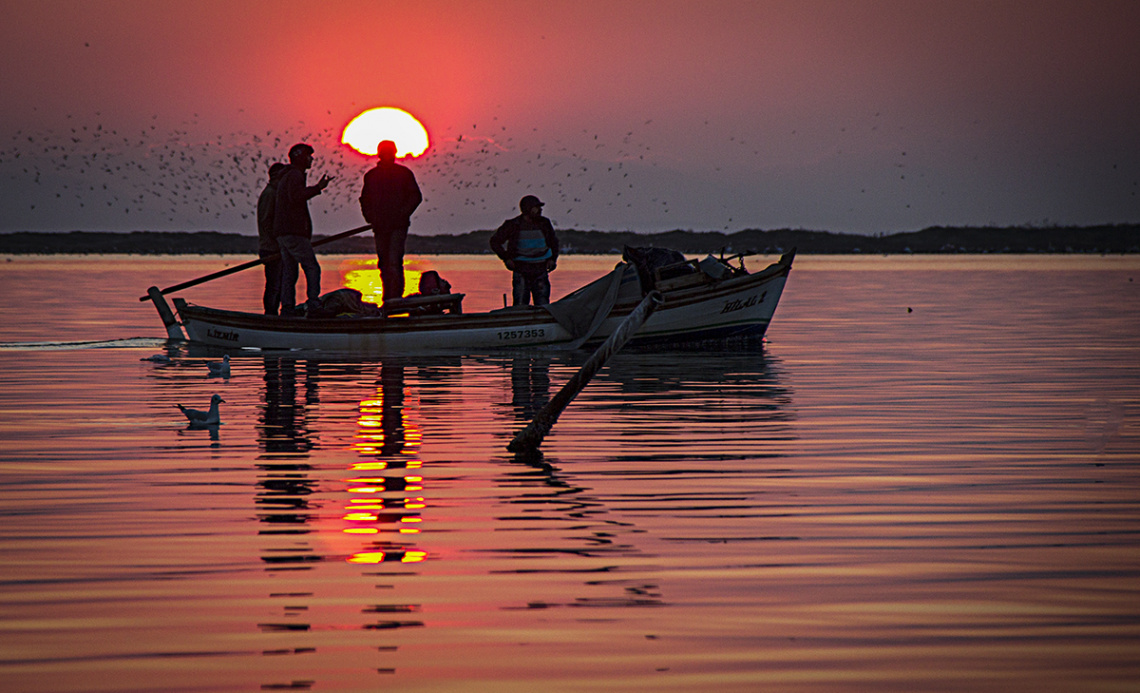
x=847 y=116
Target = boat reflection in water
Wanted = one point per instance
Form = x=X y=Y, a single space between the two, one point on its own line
x=665 y=404
x=344 y=494
x=713 y=406
x=593 y=514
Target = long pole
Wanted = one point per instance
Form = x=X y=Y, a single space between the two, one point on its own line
x=247 y=265
x=531 y=437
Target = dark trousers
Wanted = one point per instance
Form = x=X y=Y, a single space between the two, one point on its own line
x=531 y=284
x=271 y=299
x=297 y=250
x=390 y=260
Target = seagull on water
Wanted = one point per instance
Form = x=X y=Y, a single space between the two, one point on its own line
x=157 y=358
x=197 y=417
x=221 y=368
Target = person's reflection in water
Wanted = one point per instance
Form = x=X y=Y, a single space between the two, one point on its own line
x=386 y=504
x=530 y=392
x=392 y=409
x=530 y=386
x=283 y=419
x=284 y=489
x=285 y=485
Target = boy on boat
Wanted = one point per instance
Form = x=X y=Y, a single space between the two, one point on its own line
x=528 y=247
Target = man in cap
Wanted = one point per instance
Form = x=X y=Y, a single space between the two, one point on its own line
x=389 y=197
x=528 y=247
x=293 y=228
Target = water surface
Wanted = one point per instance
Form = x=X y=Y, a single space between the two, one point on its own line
x=927 y=479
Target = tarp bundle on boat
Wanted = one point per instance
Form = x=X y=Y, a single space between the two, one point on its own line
x=648 y=261
x=583 y=311
x=344 y=303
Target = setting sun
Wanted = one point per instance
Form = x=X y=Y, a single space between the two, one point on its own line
x=368 y=129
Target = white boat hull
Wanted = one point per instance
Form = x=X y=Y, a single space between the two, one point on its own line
x=740 y=306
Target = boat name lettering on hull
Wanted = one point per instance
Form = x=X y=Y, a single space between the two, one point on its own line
x=739 y=304
x=218 y=334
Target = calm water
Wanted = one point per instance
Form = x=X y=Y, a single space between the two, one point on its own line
x=945 y=498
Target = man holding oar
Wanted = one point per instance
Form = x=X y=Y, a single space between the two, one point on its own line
x=294 y=229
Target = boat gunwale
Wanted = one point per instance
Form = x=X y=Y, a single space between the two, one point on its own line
x=504 y=317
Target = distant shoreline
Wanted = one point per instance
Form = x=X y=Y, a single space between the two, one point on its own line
x=1105 y=239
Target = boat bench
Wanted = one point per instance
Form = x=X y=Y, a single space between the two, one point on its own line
x=423 y=305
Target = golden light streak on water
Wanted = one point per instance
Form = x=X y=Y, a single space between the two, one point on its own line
x=363 y=276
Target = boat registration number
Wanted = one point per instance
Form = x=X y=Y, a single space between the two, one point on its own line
x=522 y=334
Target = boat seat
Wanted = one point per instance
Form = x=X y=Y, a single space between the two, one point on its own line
x=423 y=305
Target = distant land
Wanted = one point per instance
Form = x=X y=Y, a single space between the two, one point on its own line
x=1111 y=239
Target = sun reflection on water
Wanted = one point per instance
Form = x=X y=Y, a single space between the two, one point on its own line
x=362 y=275
x=382 y=504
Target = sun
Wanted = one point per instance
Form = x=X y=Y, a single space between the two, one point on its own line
x=368 y=129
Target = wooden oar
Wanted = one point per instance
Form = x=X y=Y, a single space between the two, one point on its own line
x=247 y=265
x=529 y=438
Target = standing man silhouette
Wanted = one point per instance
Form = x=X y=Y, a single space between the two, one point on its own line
x=389 y=197
x=528 y=247
x=267 y=248
x=294 y=229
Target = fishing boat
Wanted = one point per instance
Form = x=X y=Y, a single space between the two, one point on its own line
x=700 y=300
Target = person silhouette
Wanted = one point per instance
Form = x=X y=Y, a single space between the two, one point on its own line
x=293 y=228
x=528 y=247
x=387 y=201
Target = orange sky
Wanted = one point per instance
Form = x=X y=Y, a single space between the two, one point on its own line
x=848 y=116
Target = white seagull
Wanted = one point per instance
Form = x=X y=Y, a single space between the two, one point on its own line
x=221 y=368
x=197 y=417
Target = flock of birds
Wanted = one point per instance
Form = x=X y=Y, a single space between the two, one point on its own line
x=155 y=175
x=182 y=179
x=177 y=173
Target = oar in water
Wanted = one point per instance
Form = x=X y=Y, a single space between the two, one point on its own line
x=531 y=437
x=243 y=266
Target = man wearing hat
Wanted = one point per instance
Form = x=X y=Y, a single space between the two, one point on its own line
x=528 y=247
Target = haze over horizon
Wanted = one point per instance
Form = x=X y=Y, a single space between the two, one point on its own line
x=870 y=116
